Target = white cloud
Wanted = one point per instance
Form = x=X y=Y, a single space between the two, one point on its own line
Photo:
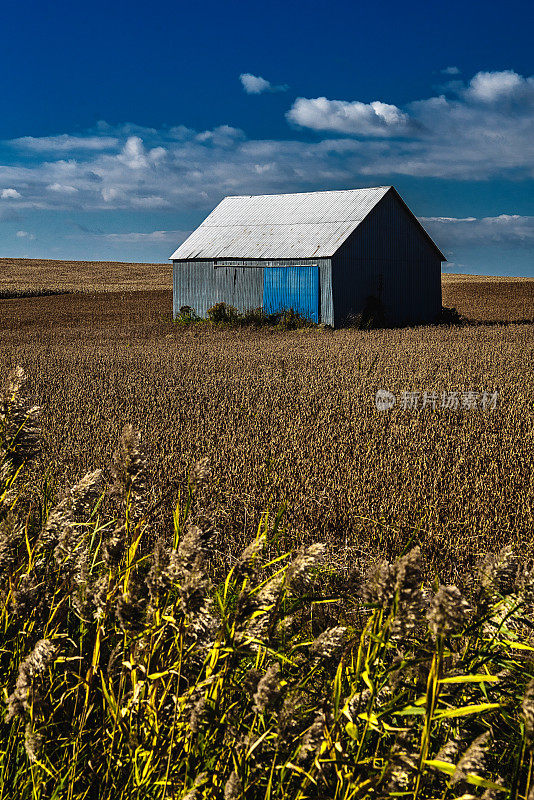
x=450 y=71
x=10 y=194
x=255 y=84
x=490 y=87
x=62 y=188
x=25 y=235
x=109 y=194
x=63 y=142
x=341 y=116
x=136 y=156
x=222 y=136
x=133 y=153
x=168 y=237
x=150 y=201
x=510 y=229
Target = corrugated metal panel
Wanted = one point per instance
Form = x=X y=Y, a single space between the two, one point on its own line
x=391 y=258
x=296 y=208
x=199 y=284
x=292 y=287
x=301 y=225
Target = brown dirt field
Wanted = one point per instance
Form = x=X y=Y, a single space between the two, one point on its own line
x=86 y=314
x=489 y=299
x=455 y=277
x=477 y=297
x=88 y=276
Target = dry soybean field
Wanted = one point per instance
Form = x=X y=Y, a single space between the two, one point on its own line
x=289 y=417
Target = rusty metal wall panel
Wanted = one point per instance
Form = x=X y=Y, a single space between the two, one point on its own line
x=389 y=257
x=200 y=284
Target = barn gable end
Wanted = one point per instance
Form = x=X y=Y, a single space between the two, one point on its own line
x=389 y=258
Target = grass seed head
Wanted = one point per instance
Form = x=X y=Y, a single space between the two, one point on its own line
x=299 y=571
x=398 y=587
x=129 y=467
x=82 y=495
x=28 y=596
x=380 y=586
x=527 y=709
x=408 y=576
x=192 y=547
x=313 y=738
x=196 y=715
x=114 y=546
x=131 y=610
x=264 y=601
x=268 y=689
x=499 y=572
x=33 y=743
x=329 y=643
x=97 y=596
x=247 y=563
x=200 y=473
x=473 y=761
x=193 y=592
x=357 y=702
x=233 y=788
x=11 y=538
x=194 y=792
x=448 y=611
x=31 y=668
x=59 y=519
x=20 y=436
x=448 y=752
x=203 y=626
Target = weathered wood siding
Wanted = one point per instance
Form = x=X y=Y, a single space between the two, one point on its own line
x=389 y=257
x=239 y=283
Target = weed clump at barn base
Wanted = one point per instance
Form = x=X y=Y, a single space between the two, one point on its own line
x=134 y=666
x=224 y=315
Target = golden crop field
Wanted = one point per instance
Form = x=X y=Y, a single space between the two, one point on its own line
x=290 y=416
x=31 y=274
x=211 y=650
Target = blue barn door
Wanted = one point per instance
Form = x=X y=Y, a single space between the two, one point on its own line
x=292 y=287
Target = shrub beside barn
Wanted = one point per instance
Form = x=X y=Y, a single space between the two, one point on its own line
x=330 y=256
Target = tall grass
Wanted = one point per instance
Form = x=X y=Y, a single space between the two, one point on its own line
x=132 y=668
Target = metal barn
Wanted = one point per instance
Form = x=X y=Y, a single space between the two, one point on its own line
x=327 y=255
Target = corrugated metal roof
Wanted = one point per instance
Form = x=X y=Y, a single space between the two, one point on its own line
x=302 y=225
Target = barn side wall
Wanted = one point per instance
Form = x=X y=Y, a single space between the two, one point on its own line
x=239 y=283
x=390 y=258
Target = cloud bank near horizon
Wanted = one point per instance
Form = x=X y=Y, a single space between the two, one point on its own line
x=473 y=131
x=449 y=232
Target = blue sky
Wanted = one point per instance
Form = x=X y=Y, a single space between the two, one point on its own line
x=124 y=124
